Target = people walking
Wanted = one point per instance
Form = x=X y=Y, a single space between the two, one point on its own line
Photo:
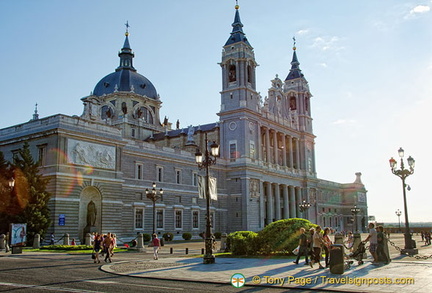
x=303 y=247
x=373 y=242
x=326 y=246
x=108 y=246
x=317 y=242
x=381 y=254
x=156 y=246
x=97 y=246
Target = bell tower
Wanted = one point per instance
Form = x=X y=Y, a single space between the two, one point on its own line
x=238 y=71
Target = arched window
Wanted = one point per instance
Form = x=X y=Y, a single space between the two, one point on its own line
x=145 y=114
x=293 y=103
x=232 y=73
x=249 y=74
x=106 y=112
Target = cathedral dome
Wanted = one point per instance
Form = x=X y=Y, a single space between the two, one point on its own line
x=125 y=81
x=125 y=78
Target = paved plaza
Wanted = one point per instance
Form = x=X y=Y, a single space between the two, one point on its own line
x=404 y=273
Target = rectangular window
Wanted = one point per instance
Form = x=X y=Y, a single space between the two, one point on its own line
x=194 y=179
x=139 y=219
x=133 y=132
x=42 y=155
x=178 y=219
x=178 y=176
x=233 y=150
x=195 y=219
x=159 y=174
x=160 y=219
x=139 y=171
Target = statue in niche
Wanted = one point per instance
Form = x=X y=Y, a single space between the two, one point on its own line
x=91 y=214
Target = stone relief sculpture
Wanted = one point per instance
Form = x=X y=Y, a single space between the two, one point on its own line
x=91 y=154
x=254 y=188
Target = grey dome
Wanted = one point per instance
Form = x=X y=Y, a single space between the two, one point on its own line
x=127 y=81
x=125 y=78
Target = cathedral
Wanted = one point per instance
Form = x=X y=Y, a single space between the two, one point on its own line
x=101 y=163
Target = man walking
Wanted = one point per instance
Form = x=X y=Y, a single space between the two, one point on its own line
x=303 y=247
x=373 y=242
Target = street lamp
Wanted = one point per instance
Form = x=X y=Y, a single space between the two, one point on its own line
x=12 y=183
x=355 y=210
x=398 y=213
x=204 y=162
x=304 y=206
x=403 y=173
x=154 y=195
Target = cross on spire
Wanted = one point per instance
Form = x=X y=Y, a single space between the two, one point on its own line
x=127 y=28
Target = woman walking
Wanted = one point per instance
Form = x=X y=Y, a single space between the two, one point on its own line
x=97 y=245
x=317 y=241
x=156 y=246
x=326 y=246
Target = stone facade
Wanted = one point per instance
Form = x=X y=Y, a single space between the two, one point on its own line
x=100 y=163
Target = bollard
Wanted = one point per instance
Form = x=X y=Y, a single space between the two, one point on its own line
x=140 y=243
x=338 y=238
x=223 y=241
x=36 y=241
x=2 y=241
x=66 y=239
x=88 y=239
x=171 y=250
x=187 y=250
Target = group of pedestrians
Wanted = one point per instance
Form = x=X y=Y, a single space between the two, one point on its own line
x=426 y=237
x=312 y=244
x=103 y=245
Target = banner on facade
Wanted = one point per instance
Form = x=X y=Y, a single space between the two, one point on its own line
x=202 y=187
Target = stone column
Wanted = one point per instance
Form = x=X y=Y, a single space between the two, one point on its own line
x=270 y=211
x=259 y=142
x=275 y=148
x=284 y=150
x=285 y=202
x=262 y=204
x=292 y=202
x=298 y=201
x=290 y=147
x=268 y=145
x=278 y=204
x=297 y=154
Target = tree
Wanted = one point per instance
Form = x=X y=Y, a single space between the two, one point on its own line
x=5 y=193
x=30 y=192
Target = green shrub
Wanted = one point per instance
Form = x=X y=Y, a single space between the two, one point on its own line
x=282 y=236
x=168 y=236
x=187 y=236
x=146 y=237
x=66 y=247
x=243 y=243
x=217 y=235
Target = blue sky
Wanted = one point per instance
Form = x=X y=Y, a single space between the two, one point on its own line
x=368 y=63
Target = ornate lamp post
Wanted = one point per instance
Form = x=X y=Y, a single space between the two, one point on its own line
x=355 y=210
x=304 y=206
x=204 y=162
x=403 y=173
x=154 y=195
x=398 y=213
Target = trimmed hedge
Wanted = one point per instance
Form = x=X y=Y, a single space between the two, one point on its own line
x=168 y=236
x=280 y=237
x=187 y=236
x=66 y=247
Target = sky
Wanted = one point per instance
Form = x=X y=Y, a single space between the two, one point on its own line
x=368 y=64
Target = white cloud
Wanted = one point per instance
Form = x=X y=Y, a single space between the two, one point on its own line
x=302 y=32
x=327 y=43
x=420 y=9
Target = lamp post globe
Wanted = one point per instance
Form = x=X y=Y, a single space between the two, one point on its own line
x=398 y=214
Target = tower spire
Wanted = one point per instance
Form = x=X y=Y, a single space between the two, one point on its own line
x=295 y=71
x=237 y=34
x=126 y=55
x=36 y=115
